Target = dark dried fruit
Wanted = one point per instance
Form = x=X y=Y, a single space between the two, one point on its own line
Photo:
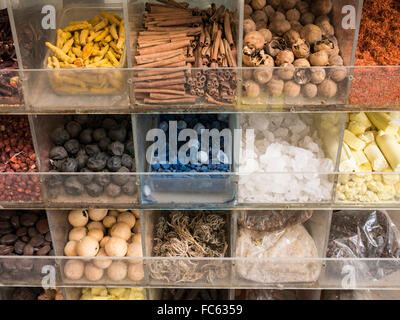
x=86 y=136
x=117 y=134
x=127 y=161
x=109 y=124
x=85 y=178
x=73 y=187
x=92 y=149
x=94 y=190
x=116 y=148
x=59 y=136
x=129 y=188
x=104 y=143
x=97 y=163
x=72 y=146
x=114 y=163
x=121 y=178
x=113 y=190
x=102 y=180
x=69 y=165
x=130 y=149
x=28 y=220
x=99 y=134
x=58 y=153
x=74 y=129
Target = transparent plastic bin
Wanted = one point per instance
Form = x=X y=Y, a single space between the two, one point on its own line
x=184 y=187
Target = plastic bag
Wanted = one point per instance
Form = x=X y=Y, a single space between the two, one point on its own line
x=293 y=242
x=360 y=235
x=272 y=220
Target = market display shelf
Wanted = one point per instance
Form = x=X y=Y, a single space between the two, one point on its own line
x=48 y=91
x=223 y=273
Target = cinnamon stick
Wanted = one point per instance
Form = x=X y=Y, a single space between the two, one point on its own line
x=182 y=100
x=164 y=47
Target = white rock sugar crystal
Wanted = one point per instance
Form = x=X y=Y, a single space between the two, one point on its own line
x=288 y=149
x=292 y=242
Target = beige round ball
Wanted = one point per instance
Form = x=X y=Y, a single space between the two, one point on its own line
x=136 y=238
x=97 y=214
x=117 y=271
x=70 y=249
x=104 y=241
x=109 y=221
x=121 y=230
x=136 y=272
x=134 y=251
x=102 y=263
x=97 y=234
x=116 y=247
x=136 y=228
x=136 y=213
x=78 y=218
x=93 y=273
x=96 y=225
x=74 y=269
x=87 y=247
x=77 y=234
x=113 y=213
x=127 y=218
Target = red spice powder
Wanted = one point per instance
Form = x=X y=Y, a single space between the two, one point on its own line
x=378 y=45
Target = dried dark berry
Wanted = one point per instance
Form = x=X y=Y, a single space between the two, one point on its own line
x=53 y=180
x=121 y=179
x=97 y=162
x=129 y=188
x=72 y=146
x=86 y=136
x=69 y=165
x=57 y=164
x=95 y=120
x=114 y=163
x=113 y=190
x=81 y=119
x=127 y=161
x=58 y=153
x=85 y=178
x=109 y=124
x=102 y=180
x=118 y=134
x=82 y=158
x=130 y=149
x=94 y=190
x=59 y=136
x=73 y=187
x=99 y=134
x=104 y=143
x=116 y=148
x=74 y=129
x=92 y=150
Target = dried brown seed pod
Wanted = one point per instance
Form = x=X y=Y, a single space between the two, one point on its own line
x=263 y=75
x=251 y=89
x=310 y=90
x=293 y=15
x=267 y=35
x=248 y=11
x=311 y=33
x=296 y=26
x=302 y=76
x=317 y=75
x=291 y=37
x=301 y=63
x=275 y=86
x=285 y=56
x=326 y=28
x=249 y=26
x=280 y=26
x=302 y=6
x=275 y=3
x=274 y=47
x=269 y=11
x=258 y=4
x=278 y=16
x=321 y=19
x=288 y=4
x=307 y=18
x=286 y=71
x=254 y=40
x=319 y=59
x=291 y=89
x=338 y=74
x=301 y=49
x=259 y=15
x=247 y=74
x=327 y=89
x=260 y=25
x=336 y=60
x=320 y=7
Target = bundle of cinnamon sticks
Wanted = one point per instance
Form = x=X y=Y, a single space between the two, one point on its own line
x=183 y=42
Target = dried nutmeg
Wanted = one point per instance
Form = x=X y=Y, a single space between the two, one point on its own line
x=296 y=26
x=338 y=74
x=259 y=15
x=275 y=3
x=321 y=19
x=254 y=40
x=261 y=25
x=251 y=89
x=319 y=58
x=286 y=71
x=275 y=86
x=310 y=90
x=280 y=26
x=248 y=11
x=302 y=76
x=278 y=16
x=301 y=63
x=327 y=89
x=258 y=4
x=269 y=11
x=291 y=89
x=317 y=75
x=285 y=56
x=301 y=49
x=249 y=26
x=326 y=28
x=247 y=74
x=267 y=35
x=263 y=75
x=274 y=47
x=288 y=4
x=291 y=37
x=311 y=33
x=336 y=61
x=328 y=46
x=307 y=18
x=302 y=6
x=320 y=7
x=293 y=15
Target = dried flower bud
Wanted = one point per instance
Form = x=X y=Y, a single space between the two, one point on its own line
x=319 y=58
x=285 y=56
x=317 y=75
x=249 y=26
x=327 y=89
x=320 y=7
x=251 y=89
x=311 y=33
x=258 y=4
x=310 y=90
x=291 y=89
x=301 y=49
